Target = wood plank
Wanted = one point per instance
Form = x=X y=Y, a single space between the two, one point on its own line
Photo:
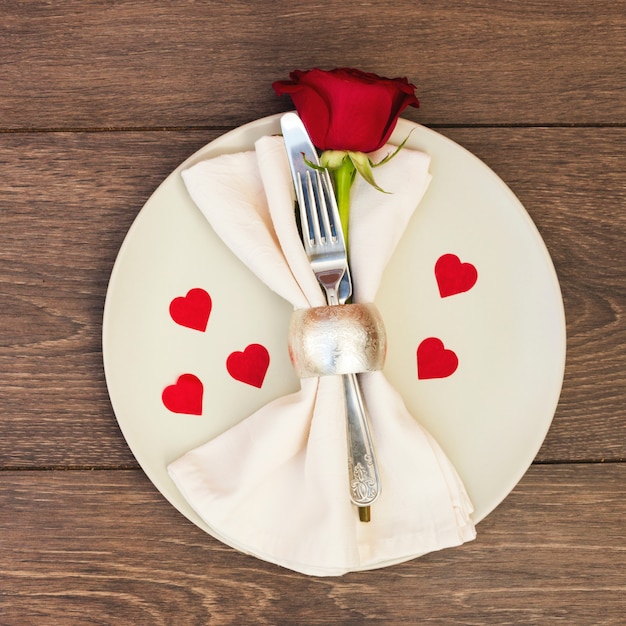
x=76 y=194
x=89 y=64
x=102 y=546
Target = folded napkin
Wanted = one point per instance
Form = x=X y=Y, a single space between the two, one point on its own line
x=276 y=484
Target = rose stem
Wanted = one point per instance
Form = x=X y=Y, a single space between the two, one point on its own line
x=344 y=177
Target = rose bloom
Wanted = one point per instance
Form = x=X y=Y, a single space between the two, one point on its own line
x=347 y=109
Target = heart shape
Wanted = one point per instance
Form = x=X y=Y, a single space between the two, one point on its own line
x=453 y=276
x=192 y=310
x=249 y=366
x=434 y=360
x=185 y=396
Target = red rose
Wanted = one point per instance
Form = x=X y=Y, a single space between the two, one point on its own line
x=346 y=109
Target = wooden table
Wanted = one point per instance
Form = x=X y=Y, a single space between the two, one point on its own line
x=99 y=101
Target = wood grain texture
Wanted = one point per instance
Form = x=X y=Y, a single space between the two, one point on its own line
x=103 y=548
x=94 y=64
x=68 y=199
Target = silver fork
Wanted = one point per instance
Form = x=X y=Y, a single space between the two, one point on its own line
x=325 y=247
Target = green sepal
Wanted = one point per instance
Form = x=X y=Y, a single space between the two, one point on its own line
x=333 y=159
x=363 y=165
x=393 y=154
x=312 y=165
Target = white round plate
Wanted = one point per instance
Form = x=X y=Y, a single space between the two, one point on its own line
x=508 y=330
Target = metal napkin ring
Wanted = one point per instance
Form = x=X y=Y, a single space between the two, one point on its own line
x=343 y=339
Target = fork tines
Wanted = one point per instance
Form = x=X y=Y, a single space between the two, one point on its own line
x=319 y=225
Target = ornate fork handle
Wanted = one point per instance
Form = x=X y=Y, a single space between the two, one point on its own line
x=364 y=479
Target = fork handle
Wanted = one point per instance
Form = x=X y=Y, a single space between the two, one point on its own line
x=363 y=471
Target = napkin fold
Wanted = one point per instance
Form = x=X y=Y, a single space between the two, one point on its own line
x=276 y=484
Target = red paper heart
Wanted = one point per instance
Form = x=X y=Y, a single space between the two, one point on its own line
x=435 y=361
x=453 y=276
x=192 y=310
x=185 y=396
x=249 y=366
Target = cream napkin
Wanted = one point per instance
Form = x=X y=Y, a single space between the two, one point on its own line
x=276 y=484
